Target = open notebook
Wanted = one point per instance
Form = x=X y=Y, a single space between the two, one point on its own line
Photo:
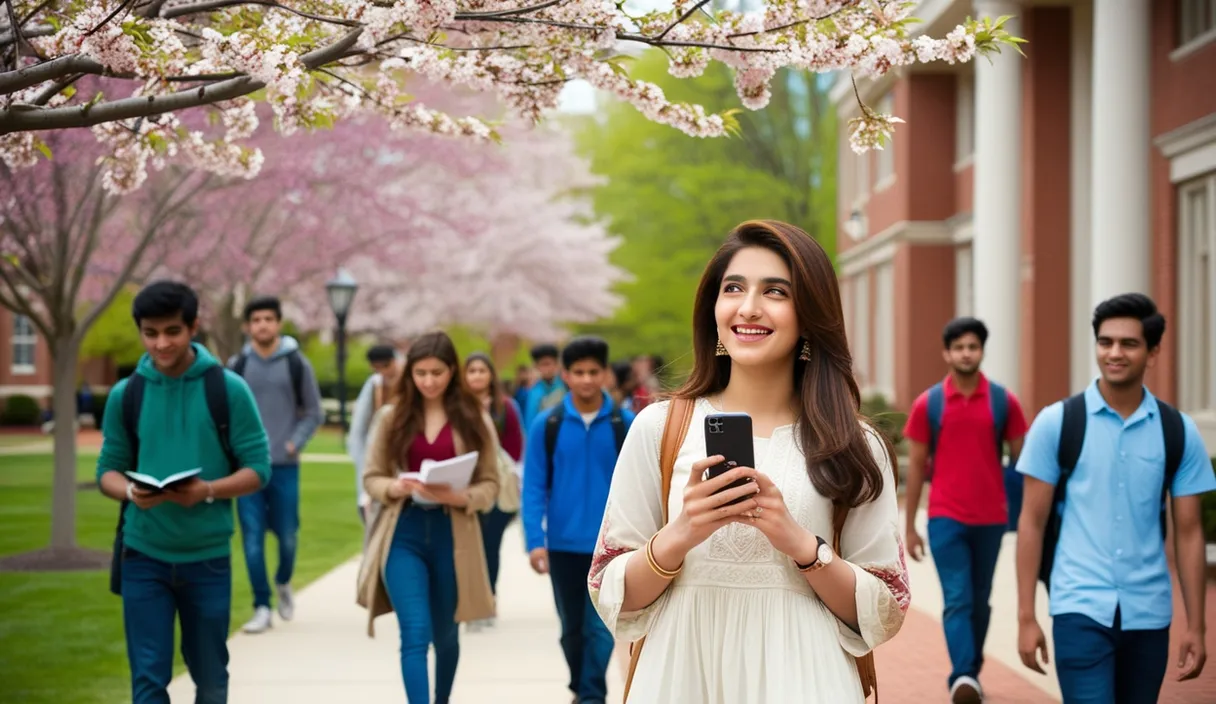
x=456 y=472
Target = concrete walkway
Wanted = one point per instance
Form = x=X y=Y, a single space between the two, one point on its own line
x=324 y=655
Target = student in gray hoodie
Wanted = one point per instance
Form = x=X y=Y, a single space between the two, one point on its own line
x=289 y=402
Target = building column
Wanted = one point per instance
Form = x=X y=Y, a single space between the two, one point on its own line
x=1120 y=253
x=996 y=245
x=1081 y=340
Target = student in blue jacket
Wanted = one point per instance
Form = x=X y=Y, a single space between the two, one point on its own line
x=563 y=504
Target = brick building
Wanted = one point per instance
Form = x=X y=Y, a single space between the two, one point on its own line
x=25 y=362
x=1024 y=190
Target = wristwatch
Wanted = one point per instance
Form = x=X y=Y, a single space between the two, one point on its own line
x=823 y=557
x=130 y=491
x=210 y=494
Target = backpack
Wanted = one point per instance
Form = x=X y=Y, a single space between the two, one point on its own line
x=216 y=389
x=679 y=416
x=554 y=423
x=1072 y=438
x=998 y=400
x=295 y=367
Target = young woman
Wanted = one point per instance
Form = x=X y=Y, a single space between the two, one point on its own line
x=482 y=380
x=425 y=559
x=748 y=602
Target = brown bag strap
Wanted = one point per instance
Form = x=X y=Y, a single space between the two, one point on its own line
x=679 y=416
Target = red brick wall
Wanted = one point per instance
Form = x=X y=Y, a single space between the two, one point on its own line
x=1182 y=91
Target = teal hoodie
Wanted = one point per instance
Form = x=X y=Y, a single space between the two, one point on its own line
x=176 y=433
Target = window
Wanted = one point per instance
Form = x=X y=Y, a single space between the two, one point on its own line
x=25 y=343
x=1196 y=20
x=884 y=330
x=862 y=172
x=885 y=157
x=860 y=334
x=964 y=118
x=964 y=287
x=1197 y=294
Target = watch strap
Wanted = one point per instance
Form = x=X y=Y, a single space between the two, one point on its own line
x=815 y=564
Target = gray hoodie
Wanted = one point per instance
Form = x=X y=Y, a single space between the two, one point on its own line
x=270 y=381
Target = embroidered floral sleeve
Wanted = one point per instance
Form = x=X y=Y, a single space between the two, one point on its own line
x=633 y=514
x=872 y=545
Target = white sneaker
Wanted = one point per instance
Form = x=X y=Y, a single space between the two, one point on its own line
x=966 y=690
x=287 y=605
x=260 y=622
x=475 y=626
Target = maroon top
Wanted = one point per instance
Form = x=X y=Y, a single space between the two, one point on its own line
x=510 y=432
x=444 y=448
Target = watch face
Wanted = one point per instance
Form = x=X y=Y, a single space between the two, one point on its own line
x=825 y=554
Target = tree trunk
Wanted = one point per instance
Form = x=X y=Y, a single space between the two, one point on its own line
x=65 y=351
x=503 y=347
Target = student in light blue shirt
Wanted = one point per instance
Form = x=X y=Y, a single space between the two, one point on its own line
x=1110 y=592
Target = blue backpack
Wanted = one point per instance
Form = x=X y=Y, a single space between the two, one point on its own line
x=998 y=399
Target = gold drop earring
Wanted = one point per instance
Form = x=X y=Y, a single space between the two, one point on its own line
x=805 y=354
x=720 y=350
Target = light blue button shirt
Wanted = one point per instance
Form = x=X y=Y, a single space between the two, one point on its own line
x=1110 y=552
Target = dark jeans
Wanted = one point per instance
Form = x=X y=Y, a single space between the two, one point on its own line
x=421 y=581
x=276 y=507
x=586 y=641
x=154 y=594
x=1097 y=664
x=965 y=557
x=493 y=525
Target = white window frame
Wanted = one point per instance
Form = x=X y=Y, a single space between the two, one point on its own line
x=884 y=159
x=24 y=338
x=1196 y=307
x=964 y=121
x=884 y=330
x=964 y=284
x=1196 y=26
x=861 y=328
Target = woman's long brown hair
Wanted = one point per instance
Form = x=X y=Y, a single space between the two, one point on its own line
x=463 y=408
x=838 y=457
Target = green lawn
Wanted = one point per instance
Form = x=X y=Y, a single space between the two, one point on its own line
x=327 y=441
x=61 y=637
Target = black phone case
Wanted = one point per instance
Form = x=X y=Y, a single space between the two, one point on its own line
x=730 y=435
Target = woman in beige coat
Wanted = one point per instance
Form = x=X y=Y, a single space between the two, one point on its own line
x=425 y=559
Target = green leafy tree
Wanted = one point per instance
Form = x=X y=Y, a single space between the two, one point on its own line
x=672 y=198
x=114 y=335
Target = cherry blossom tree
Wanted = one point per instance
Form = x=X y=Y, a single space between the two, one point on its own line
x=320 y=61
x=439 y=232
x=67 y=247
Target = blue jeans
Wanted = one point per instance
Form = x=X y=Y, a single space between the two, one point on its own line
x=586 y=641
x=1097 y=664
x=275 y=507
x=493 y=525
x=421 y=581
x=965 y=557
x=154 y=594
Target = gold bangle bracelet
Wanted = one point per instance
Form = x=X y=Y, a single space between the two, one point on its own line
x=656 y=567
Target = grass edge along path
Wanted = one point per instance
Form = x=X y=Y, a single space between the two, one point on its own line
x=61 y=633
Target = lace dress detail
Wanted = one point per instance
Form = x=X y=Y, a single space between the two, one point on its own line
x=740 y=625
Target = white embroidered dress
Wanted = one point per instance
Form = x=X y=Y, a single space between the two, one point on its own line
x=740 y=625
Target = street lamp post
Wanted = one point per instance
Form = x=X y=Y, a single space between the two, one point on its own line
x=341 y=291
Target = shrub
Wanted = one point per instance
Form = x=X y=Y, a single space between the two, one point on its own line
x=20 y=410
x=888 y=420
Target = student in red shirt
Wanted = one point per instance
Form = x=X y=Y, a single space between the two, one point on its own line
x=952 y=434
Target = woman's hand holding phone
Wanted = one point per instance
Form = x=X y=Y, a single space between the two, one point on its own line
x=707 y=504
x=772 y=517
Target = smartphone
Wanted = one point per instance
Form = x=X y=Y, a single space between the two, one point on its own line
x=729 y=435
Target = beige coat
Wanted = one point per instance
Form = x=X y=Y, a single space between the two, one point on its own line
x=474 y=599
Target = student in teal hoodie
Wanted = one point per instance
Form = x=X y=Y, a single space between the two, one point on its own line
x=176 y=554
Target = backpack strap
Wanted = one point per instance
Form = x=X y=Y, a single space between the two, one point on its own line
x=679 y=416
x=215 y=386
x=553 y=424
x=998 y=402
x=239 y=362
x=132 y=403
x=295 y=367
x=1174 y=435
x=1068 y=452
x=618 y=428
x=936 y=406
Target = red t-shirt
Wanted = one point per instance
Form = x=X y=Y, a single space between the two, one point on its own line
x=968 y=479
